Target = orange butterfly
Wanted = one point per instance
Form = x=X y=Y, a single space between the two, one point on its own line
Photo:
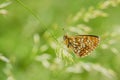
x=82 y=45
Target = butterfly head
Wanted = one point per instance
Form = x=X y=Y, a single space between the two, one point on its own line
x=65 y=37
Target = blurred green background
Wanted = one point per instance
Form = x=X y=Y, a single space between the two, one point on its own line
x=31 y=44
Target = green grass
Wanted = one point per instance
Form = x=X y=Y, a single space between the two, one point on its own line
x=31 y=39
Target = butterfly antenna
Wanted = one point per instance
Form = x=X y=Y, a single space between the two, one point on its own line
x=64 y=32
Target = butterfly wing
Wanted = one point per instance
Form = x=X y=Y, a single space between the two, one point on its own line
x=82 y=45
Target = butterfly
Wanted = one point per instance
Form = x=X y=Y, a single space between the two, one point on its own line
x=81 y=45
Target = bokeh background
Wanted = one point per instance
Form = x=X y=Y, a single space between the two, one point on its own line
x=31 y=44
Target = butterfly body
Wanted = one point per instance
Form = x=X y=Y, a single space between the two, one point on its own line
x=82 y=45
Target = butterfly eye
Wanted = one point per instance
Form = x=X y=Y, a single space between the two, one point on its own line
x=64 y=37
